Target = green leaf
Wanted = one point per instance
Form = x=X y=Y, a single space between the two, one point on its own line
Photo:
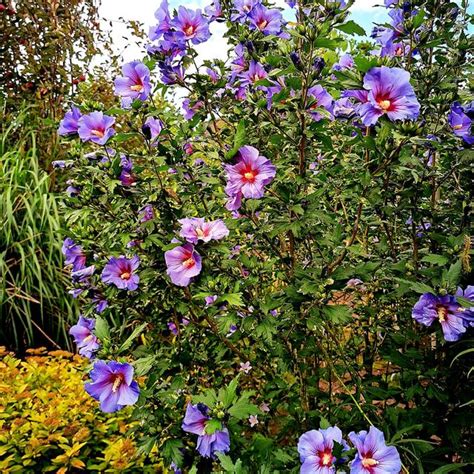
x=418 y=19
x=212 y=426
x=144 y=365
x=129 y=341
x=454 y=273
x=280 y=455
x=416 y=286
x=102 y=330
x=324 y=423
x=326 y=43
x=234 y=299
x=123 y=137
x=239 y=140
x=209 y=398
x=449 y=468
x=338 y=314
x=242 y=408
x=435 y=259
x=363 y=64
x=171 y=450
x=409 y=429
x=228 y=394
x=226 y=462
x=351 y=28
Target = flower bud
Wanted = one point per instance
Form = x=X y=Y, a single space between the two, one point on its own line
x=318 y=65
x=146 y=131
x=295 y=58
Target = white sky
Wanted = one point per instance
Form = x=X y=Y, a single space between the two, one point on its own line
x=143 y=11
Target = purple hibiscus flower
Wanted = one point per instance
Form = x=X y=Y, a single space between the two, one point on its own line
x=112 y=385
x=135 y=82
x=373 y=455
x=72 y=191
x=460 y=123
x=210 y=300
x=164 y=22
x=121 y=271
x=214 y=10
x=388 y=91
x=188 y=148
x=152 y=128
x=191 y=110
x=69 y=125
x=315 y=448
x=74 y=255
x=61 y=164
x=196 y=228
x=445 y=309
x=346 y=61
x=183 y=263
x=96 y=127
x=171 y=74
x=248 y=177
x=127 y=178
x=85 y=339
x=322 y=99
x=146 y=213
x=467 y=313
x=191 y=25
x=384 y=35
x=392 y=49
x=243 y=7
x=176 y=469
x=254 y=73
x=343 y=108
x=82 y=275
x=213 y=75
x=266 y=20
x=239 y=64
x=100 y=303
x=196 y=421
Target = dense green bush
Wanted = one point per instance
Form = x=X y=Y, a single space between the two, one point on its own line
x=357 y=208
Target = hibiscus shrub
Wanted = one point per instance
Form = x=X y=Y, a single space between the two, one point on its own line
x=288 y=264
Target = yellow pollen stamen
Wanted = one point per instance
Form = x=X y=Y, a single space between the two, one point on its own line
x=117 y=382
x=88 y=338
x=189 y=30
x=262 y=24
x=125 y=275
x=189 y=262
x=385 y=104
x=442 y=313
x=199 y=232
x=326 y=459
x=98 y=133
x=457 y=127
x=369 y=462
x=137 y=87
x=249 y=175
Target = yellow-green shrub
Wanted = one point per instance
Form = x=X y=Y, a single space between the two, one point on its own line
x=49 y=423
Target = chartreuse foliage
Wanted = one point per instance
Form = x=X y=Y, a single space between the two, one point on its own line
x=49 y=424
x=341 y=214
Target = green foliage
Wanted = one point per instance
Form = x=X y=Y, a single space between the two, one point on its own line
x=33 y=305
x=47 y=50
